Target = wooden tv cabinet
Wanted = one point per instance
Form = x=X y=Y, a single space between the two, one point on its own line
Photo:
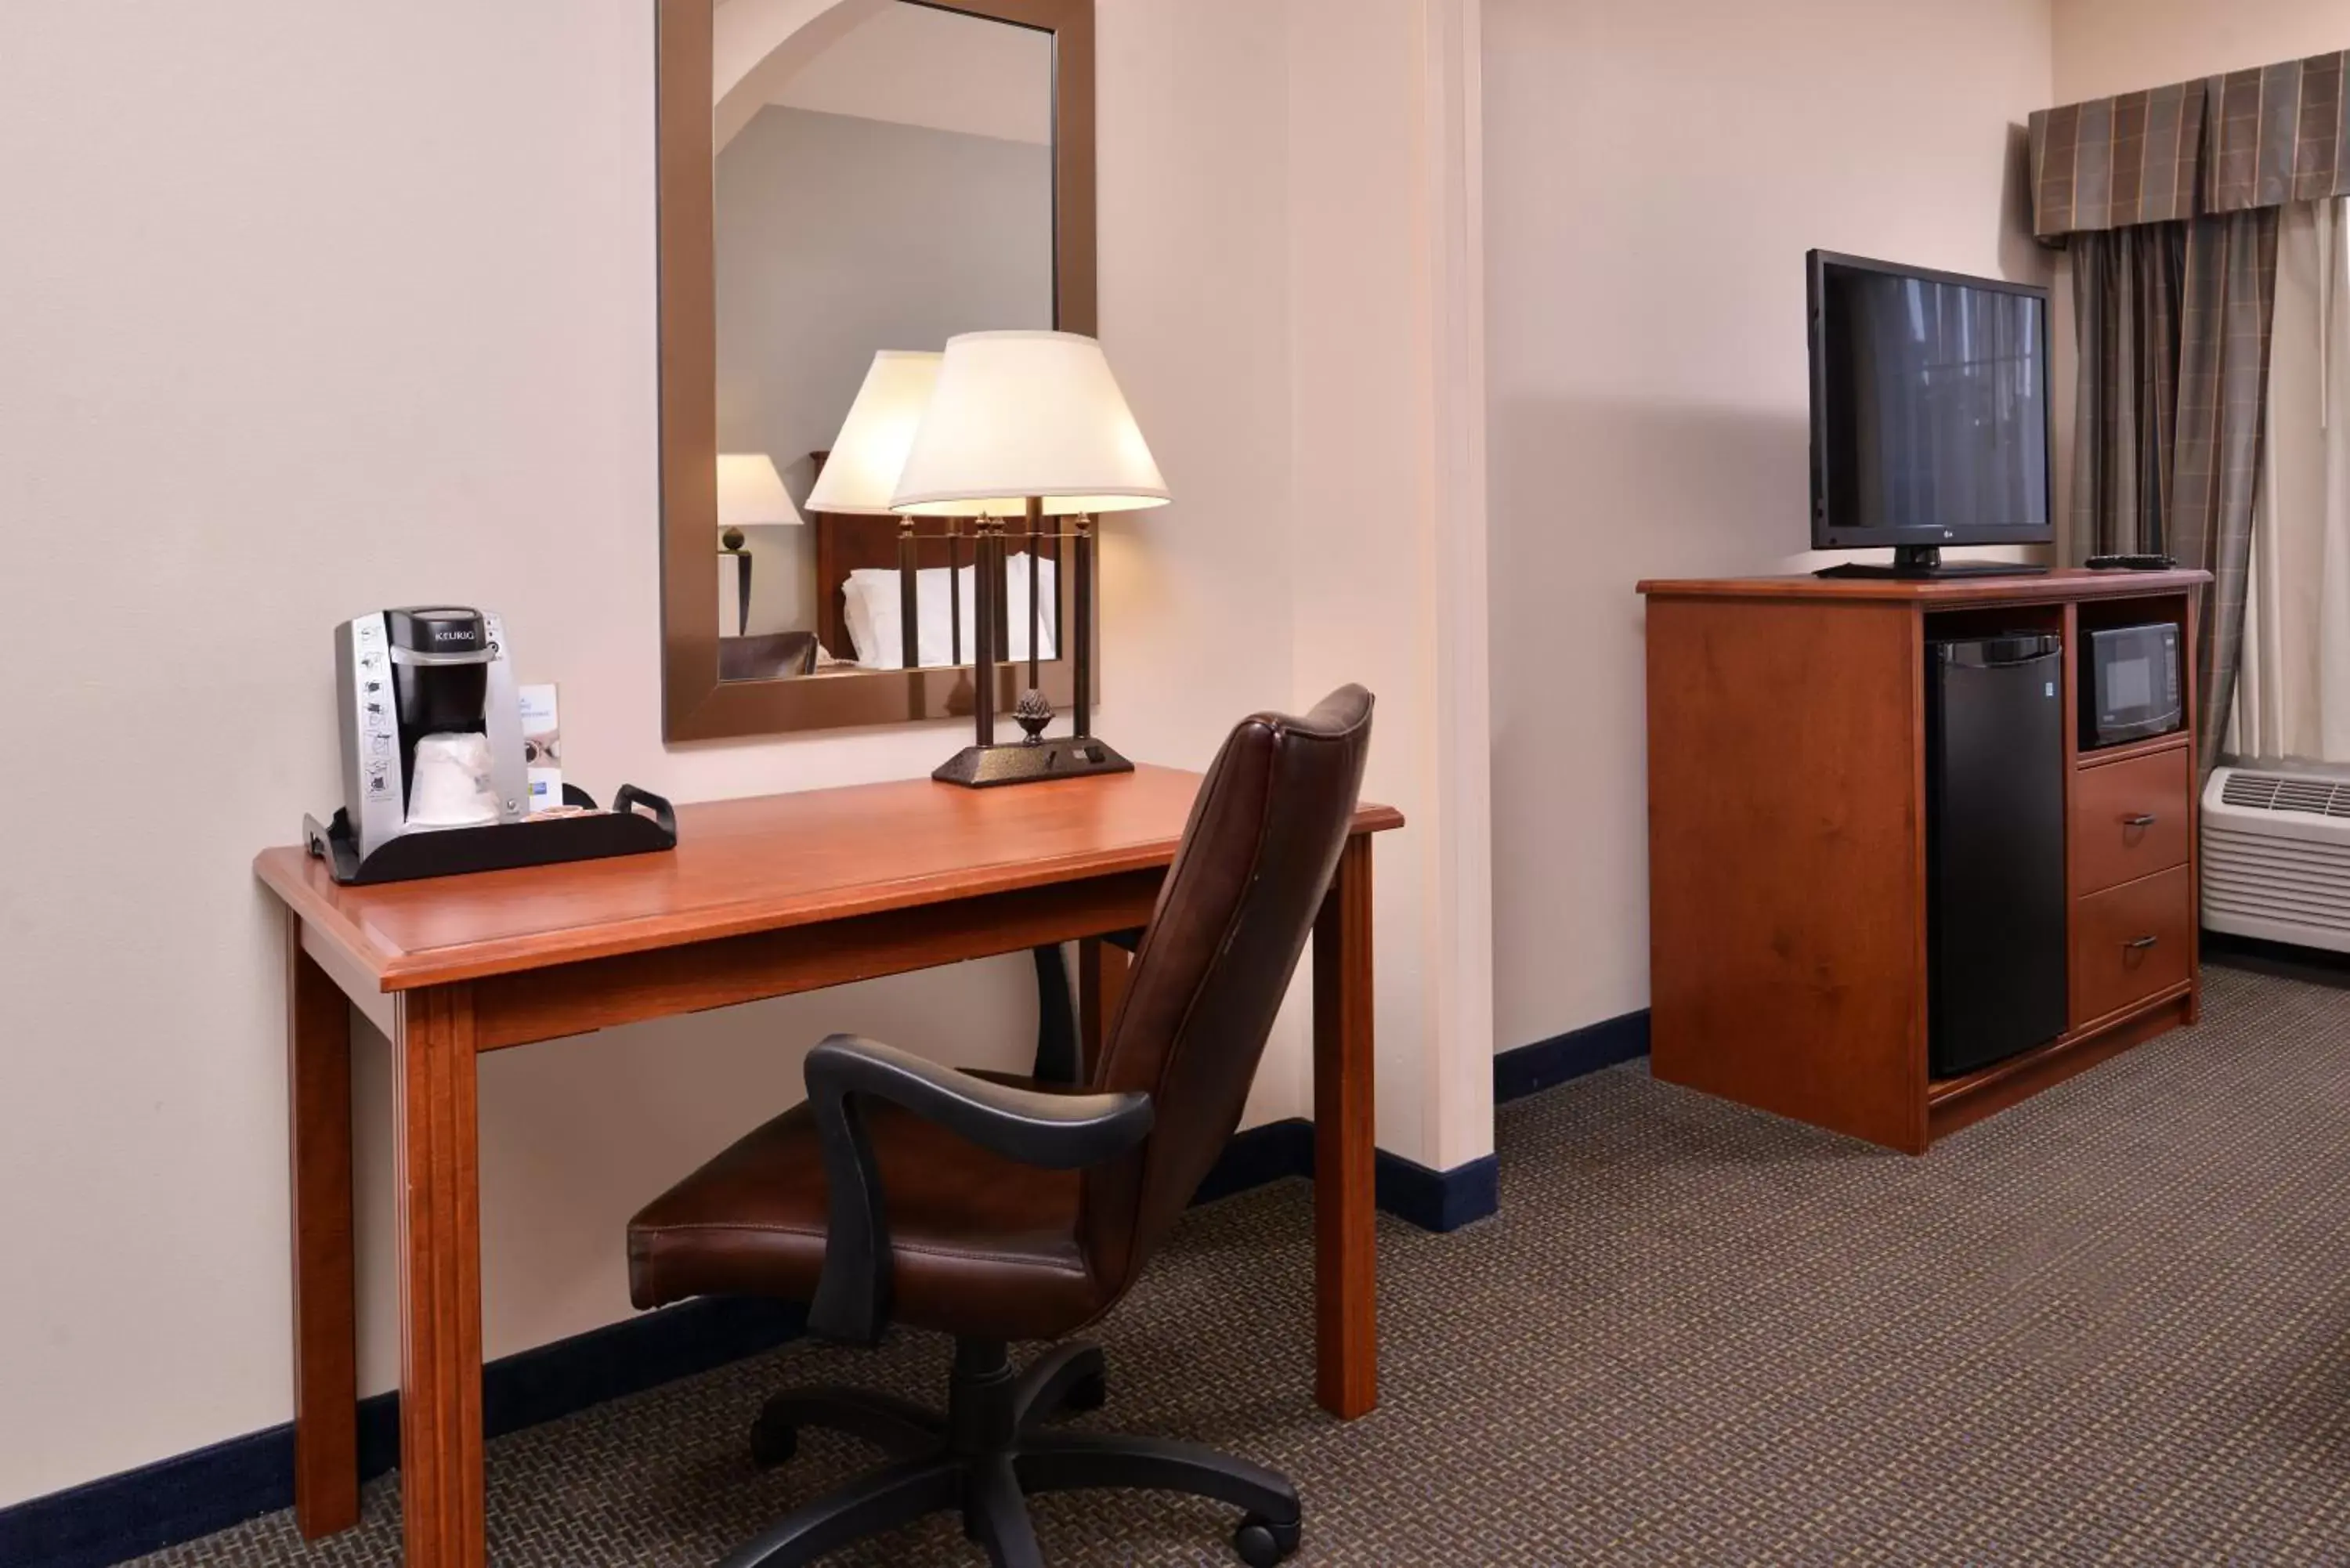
x=1787 y=896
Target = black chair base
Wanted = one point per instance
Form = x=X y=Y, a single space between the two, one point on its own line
x=989 y=1453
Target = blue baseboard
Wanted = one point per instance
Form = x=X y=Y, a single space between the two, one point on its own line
x=1548 y=1063
x=189 y=1495
x=1439 y=1199
x=1447 y=1199
x=1432 y=1200
x=1258 y=1155
x=193 y=1494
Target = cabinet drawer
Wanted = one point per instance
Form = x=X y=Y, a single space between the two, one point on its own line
x=2129 y=820
x=2129 y=942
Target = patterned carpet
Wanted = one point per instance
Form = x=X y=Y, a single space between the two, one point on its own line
x=2111 y=1325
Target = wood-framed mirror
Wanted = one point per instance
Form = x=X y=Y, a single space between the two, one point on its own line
x=838 y=179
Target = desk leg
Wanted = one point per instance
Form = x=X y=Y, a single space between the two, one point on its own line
x=1347 y=1379
x=440 y=1248
x=325 y=1337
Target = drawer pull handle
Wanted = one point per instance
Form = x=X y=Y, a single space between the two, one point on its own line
x=2143 y=819
x=2142 y=943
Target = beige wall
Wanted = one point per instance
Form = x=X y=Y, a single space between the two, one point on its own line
x=1655 y=172
x=2118 y=46
x=284 y=340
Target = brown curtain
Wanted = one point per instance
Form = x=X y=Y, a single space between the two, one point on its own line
x=2172 y=321
x=2223 y=379
x=2167 y=200
x=2126 y=286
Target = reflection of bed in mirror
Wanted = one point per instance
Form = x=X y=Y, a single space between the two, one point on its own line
x=860 y=606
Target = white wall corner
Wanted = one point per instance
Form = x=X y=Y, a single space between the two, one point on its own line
x=1458 y=914
x=1387 y=529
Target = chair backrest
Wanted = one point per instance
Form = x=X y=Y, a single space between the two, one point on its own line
x=1239 y=902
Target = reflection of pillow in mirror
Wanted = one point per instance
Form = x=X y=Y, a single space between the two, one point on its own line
x=1015 y=603
x=870 y=599
x=853 y=614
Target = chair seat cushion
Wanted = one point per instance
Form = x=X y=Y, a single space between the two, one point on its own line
x=982 y=1246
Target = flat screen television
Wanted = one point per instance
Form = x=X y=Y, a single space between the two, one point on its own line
x=1930 y=415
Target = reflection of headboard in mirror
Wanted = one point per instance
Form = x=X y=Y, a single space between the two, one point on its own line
x=713 y=72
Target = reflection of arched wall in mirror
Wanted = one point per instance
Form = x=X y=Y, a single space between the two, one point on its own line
x=870 y=126
x=884 y=174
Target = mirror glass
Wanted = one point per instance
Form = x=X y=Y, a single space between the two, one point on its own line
x=884 y=180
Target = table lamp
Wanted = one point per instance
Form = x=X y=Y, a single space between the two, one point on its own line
x=1039 y=417
x=860 y=473
x=750 y=492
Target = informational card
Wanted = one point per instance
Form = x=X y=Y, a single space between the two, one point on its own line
x=542 y=746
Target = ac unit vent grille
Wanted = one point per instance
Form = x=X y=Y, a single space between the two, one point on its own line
x=2286 y=791
x=2276 y=857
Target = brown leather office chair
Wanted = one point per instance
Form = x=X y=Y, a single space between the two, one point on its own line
x=996 y=1210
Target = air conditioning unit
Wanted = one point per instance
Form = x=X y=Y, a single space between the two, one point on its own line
x=2276 y=856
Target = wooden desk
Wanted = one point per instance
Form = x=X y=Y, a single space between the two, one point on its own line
x=762 y=898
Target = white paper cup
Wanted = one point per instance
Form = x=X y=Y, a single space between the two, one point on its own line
x=451 y=787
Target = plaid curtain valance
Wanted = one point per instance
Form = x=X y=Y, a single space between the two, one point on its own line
x=2278 y=135
x=2222 y=144
x=2112 y=162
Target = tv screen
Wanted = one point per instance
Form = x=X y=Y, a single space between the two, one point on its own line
x=1929 y=408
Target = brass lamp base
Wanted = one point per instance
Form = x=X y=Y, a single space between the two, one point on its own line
x=1025 y=762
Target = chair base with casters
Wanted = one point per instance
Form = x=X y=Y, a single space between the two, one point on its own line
x=993 y=1448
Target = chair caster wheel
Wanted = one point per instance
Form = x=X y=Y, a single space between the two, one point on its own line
x=773 y=1443
x=1261 y=1543
x=1087 y=1394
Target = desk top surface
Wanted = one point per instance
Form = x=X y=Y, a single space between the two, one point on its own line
x=2066 y=583
x=756 y=865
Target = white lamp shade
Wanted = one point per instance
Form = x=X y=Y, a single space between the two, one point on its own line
x=750 y=492
x=1020 y=414
x=860 y=473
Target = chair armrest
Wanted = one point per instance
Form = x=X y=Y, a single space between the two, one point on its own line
x=1053 y=1132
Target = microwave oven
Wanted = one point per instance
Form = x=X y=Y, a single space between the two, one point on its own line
x=2129 y=685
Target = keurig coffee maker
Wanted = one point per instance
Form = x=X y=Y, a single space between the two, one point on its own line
x=435 y=776
x=408 y=676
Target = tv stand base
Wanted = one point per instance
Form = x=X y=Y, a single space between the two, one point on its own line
x=1925 y=561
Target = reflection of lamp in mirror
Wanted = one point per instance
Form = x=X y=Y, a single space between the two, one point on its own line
x=750 y=492
x=860 y=473
x=1035 y=415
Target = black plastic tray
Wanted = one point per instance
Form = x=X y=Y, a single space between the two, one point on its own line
x=499 y=845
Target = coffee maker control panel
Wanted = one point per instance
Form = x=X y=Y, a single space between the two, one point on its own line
x=374 y=783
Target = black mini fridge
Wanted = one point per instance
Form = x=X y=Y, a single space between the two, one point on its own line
x=1994 y=848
